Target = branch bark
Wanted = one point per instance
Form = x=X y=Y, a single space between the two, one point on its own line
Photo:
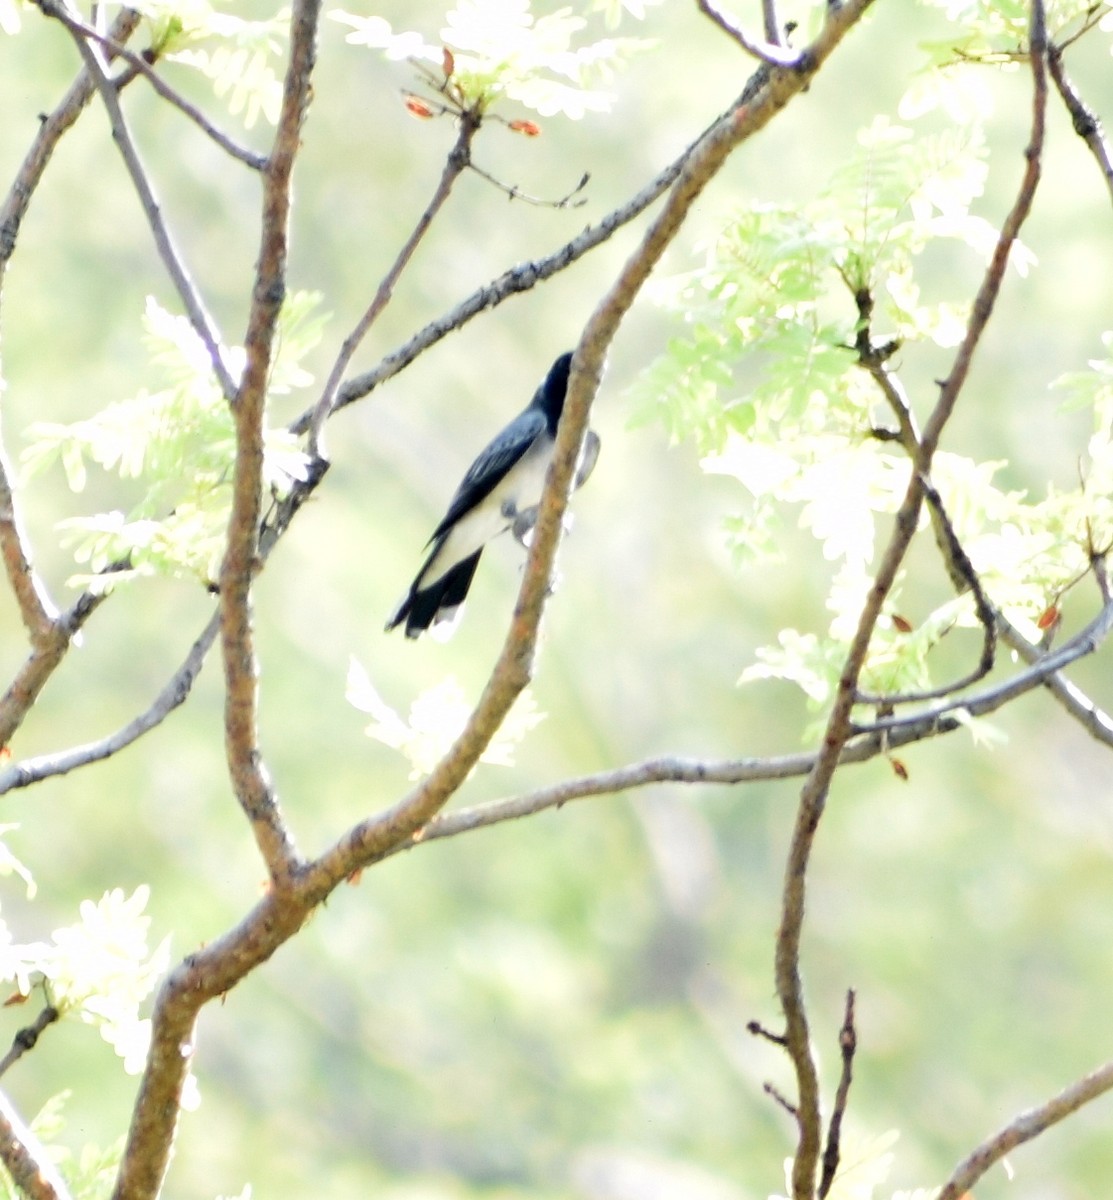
x=813 y=797
x=1024 y=1128
x=194 y=306
x=26 y=1159
x=248 y=774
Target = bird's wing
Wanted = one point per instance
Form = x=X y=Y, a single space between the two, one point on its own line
x=492 y=466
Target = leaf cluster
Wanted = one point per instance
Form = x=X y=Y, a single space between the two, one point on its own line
x=767 y=378
x=177 y=444
x=496 y=50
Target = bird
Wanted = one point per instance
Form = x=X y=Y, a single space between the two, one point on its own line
x=501 y=490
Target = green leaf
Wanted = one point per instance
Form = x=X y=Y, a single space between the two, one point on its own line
x=178 y=444
x=435 y=720
x=501 y=50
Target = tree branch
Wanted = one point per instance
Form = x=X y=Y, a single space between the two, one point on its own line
x=771 y=51
x=518 y=279
x=141 y=66
x=26 y=1160
x=848 y=1044
x=194 y=306
x=49 y=134
x=459 y=158
x=174 y=693
x=768 y=92
x=247 y=772
x=1023 y=1128
x=1086 y=122
x=1072 y=698
x=26 y=1039
x=46 y=653
x=298 y=889
x=813 y=796
x=50 y=633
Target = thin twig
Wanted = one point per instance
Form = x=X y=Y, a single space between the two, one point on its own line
x=25 y=1039
x=142 y=67
x=759 y=1030
x=770 y=51
x=1023 y=1128
x=246 y=769
x=848 y=1044
x=195 y=309
x=839 y=728
x=459 y=158
x=1086 y=122
x=1042 y=668
x=512 y=282
x=1097 y=723
x=865 y=745
x=781 y=1099
x=752 y=111
x=173 y=694
x=772 y=23
x=962 y=568
x=571 y=199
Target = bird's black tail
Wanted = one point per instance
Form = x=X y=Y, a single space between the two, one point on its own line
x=438 y=601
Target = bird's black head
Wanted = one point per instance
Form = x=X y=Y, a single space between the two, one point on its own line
x=550 y=395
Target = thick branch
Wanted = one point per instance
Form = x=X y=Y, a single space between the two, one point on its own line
x=764 y=97
x=280 y=914
x=46 y=654
x=813 y=796
x=297 y=890
x=248 y=774
x=1023 y=1128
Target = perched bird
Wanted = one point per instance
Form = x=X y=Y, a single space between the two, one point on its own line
x=500 y=491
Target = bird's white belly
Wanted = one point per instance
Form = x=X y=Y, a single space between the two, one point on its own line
x=495 y=513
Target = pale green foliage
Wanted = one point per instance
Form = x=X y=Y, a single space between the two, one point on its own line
x=89 y=1174
x=10 y=22
x=778 y=289
x=765 y=379
x=864 y=1166
x=11 y=865
x=989 y=29
x=99 y=969
x=436 y=719
x=501 y=50
x=239 y=56
x=614 y=10
x=178 y=443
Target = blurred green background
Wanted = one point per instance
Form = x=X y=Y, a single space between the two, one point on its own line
x=555 y=1007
